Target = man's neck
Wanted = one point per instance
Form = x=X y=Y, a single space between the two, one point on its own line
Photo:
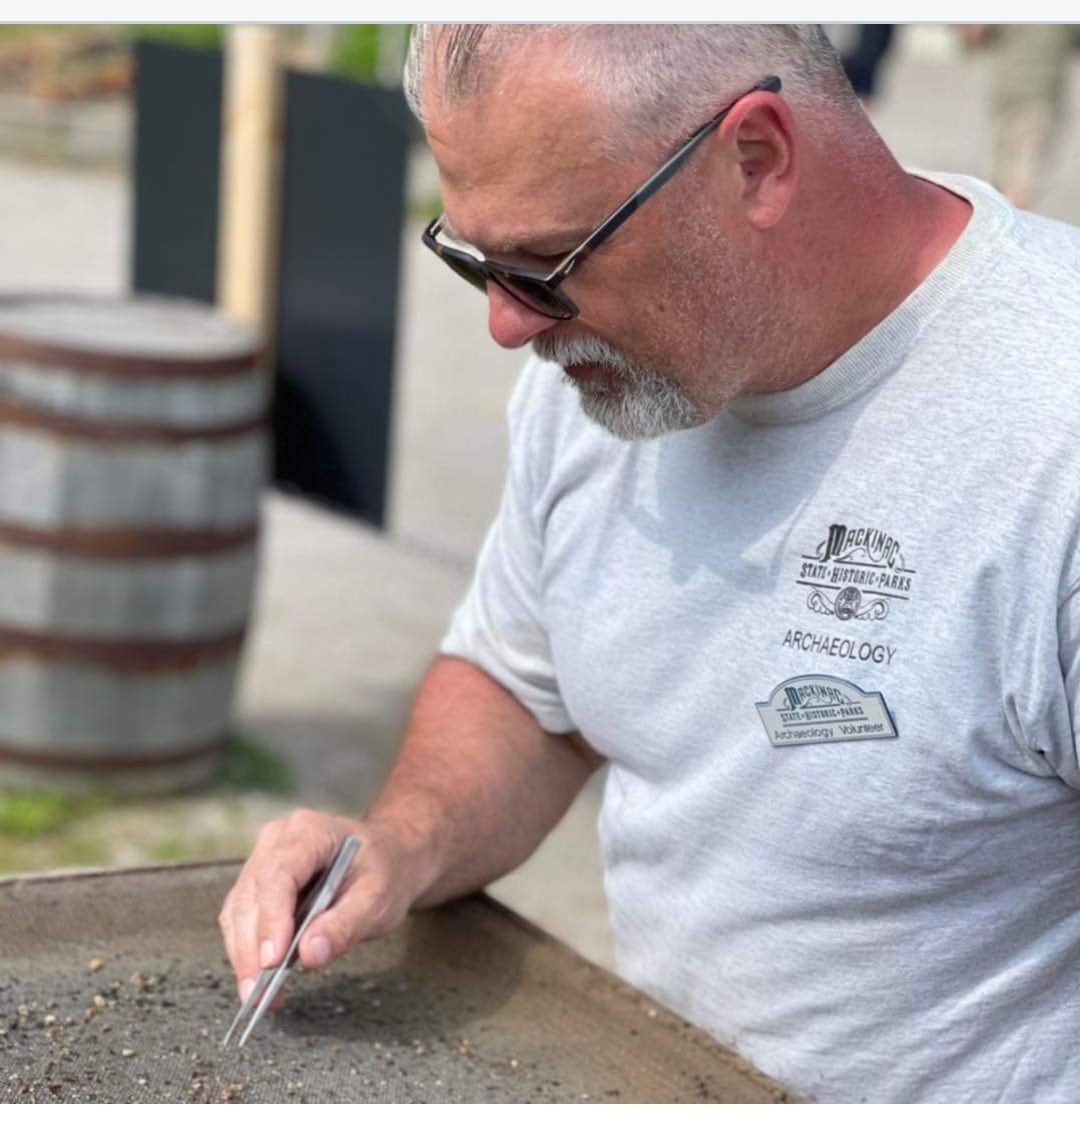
x=953 y=213
x=875 y=248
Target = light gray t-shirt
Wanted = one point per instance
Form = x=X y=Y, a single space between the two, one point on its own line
x=829 y=643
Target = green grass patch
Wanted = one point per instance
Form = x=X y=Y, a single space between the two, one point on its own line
x=206 y=36
x=356 y=52
x=26 y=814
x=77 y=847
x=12 y=33
x=425 y=208
x=170 y=850
x=43 y=829
x=248 y=766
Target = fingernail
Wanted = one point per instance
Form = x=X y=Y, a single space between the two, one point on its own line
x=267 y=952
x=246 y=986
x=319 y=950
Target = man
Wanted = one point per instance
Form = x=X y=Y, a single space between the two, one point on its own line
x=789 y=539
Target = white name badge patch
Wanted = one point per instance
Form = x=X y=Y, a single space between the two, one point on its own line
x=821 y=708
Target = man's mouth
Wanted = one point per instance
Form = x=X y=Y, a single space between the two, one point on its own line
x=591 y=366
x=589 y=372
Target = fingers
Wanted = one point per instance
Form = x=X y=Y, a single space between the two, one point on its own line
x=257 y=918
x=366 y=909
x=237 y=922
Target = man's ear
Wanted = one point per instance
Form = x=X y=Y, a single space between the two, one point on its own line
x=760 y=132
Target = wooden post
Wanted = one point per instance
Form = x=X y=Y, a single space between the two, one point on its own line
x=251 y=148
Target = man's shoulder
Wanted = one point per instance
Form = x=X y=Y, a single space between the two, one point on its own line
x=1042 y=251
x=1026 y=237
x=1014 y=330
x=1021 y=294
x=1033 y=298
x=1047 y=235
x=1047 y=251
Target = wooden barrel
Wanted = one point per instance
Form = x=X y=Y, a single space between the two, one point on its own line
x=133 y=447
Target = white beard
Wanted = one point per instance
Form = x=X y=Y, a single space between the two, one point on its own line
x=638 y=404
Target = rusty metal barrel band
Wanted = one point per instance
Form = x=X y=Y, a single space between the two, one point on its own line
x=96 y=762
x=126 y=365
x=134 y=656
x=17 y=415
x=129 y=543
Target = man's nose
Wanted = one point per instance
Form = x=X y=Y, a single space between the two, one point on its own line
x=511 y=323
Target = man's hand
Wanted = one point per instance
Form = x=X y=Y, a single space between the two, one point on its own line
x=477 y=786
x=257 y=917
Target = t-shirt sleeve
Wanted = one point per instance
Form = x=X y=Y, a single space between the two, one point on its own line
x=499 y=626
x=1067 y=766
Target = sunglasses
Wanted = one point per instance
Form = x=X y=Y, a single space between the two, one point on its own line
x=540 y=292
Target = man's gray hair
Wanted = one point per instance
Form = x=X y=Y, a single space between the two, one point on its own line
x=658 y=80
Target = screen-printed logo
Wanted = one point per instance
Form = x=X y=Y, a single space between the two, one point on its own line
x=855 y=574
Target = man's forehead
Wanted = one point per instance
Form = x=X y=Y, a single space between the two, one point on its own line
x=528 y=74
x=521 y=159
x=518 y=116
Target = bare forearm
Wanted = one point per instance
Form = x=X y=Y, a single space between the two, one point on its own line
x=477 y=786
x=478 y=783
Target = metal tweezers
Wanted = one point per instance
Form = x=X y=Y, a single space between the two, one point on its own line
x=315 y=899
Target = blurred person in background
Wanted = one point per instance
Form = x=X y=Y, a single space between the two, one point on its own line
x=1028 y=87
x=862 y=61
x=790 y=541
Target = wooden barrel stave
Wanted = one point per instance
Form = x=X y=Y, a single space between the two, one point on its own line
x=133 y=451
x=137 y=776
x=100 y=333
x=182 y=402
x=49 y=483
x=178 y=599
x=111 y=713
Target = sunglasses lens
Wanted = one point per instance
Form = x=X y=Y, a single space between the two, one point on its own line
x=535 y=295
x=469 y=271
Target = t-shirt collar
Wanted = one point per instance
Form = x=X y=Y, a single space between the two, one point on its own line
x=882 y=350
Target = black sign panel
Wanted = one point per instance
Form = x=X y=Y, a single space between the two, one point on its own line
x=343 y=196
x=342 y=213
x=176 y=165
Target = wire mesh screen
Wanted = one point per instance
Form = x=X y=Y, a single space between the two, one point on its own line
x=114 y=987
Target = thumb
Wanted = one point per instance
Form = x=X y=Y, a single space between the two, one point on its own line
x=362 y=912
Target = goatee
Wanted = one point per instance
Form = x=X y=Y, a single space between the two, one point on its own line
x=633 y=403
